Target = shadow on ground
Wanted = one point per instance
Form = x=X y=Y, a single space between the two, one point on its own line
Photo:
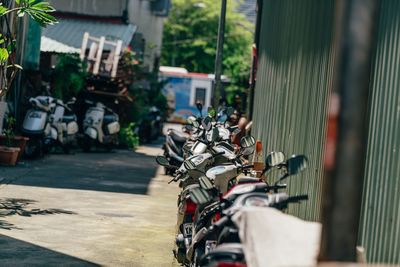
x=19 y=253
x=16 y=206
x=121 y=171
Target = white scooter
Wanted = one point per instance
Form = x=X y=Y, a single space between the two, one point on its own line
x=101 y=126
x=49 y=122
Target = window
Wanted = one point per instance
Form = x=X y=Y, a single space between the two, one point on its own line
x=200 y=95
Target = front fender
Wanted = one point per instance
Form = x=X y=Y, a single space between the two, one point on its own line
x=196 y=239
x=91 y=132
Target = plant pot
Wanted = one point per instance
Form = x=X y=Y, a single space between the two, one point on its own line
x=16 y=141
x=9 y=155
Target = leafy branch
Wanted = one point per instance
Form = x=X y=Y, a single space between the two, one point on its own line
x=39 y=12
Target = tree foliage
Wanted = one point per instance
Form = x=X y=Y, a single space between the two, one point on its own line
x=69 y=76
x=39 y=11
x=190 y=38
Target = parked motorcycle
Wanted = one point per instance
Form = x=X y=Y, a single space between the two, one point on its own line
x=150 y=127
x=175 y=140
x=209 y=234
x=100 y=127
x=210 y=175
x=228 y=250
x=205 y=150
x=48 y=123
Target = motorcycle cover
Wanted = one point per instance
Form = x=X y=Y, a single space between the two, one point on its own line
x=271 y=238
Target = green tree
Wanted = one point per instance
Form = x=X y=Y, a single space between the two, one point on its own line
x=69 y=76
x=190 y=39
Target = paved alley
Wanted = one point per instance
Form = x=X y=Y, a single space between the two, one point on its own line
x=112 y=209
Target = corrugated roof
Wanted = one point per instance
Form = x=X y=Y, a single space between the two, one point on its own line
x=50 y=45
x=68 y=34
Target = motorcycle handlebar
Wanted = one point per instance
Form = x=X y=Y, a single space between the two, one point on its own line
x=176 y=178
x=248 y=166
x=297 y=198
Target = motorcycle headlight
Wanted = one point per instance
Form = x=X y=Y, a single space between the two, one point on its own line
x=43 y=102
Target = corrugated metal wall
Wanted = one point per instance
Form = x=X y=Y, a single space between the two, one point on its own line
x=293 y=80
x=380 y=220
x=290 y=110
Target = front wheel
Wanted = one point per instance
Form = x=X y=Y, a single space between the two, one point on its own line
x=86 y=144
x=66 y=149
x=198 y=254
x=34 y=148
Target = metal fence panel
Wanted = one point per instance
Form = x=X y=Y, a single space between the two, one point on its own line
x=294 y=78
x=380 y=218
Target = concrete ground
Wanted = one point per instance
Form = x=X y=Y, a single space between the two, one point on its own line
x=109 y=209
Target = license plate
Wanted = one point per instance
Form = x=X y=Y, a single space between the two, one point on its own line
x=210 y=245
x=187 y=229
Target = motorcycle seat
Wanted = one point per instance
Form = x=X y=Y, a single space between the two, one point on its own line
x=248 y=180
x=69 y=118
x=177 y=136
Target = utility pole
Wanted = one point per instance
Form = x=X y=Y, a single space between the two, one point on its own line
x=217 y=85
x=355 y=20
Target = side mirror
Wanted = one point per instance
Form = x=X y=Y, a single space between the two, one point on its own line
x=274 y=159
x=199 y=196
x=205 y=183
x=207 y=123
x=213 y=135
x=247 y=141
x=199 y=107
x=296 y=164
x=163 y=161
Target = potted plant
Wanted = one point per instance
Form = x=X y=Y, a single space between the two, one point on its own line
x=13 y=140
x=9 y=153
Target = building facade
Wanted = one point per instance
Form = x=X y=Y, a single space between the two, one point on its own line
x=146 y=16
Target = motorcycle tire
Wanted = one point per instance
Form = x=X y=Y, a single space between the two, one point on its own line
x=86 y=144
x=33 y=148
x=166 y=171
x=66 y=149
x=109 y=147
x=180 y=256
x=198 y=254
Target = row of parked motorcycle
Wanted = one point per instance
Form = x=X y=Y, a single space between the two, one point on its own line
x=217 y=180
x=51 y=122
